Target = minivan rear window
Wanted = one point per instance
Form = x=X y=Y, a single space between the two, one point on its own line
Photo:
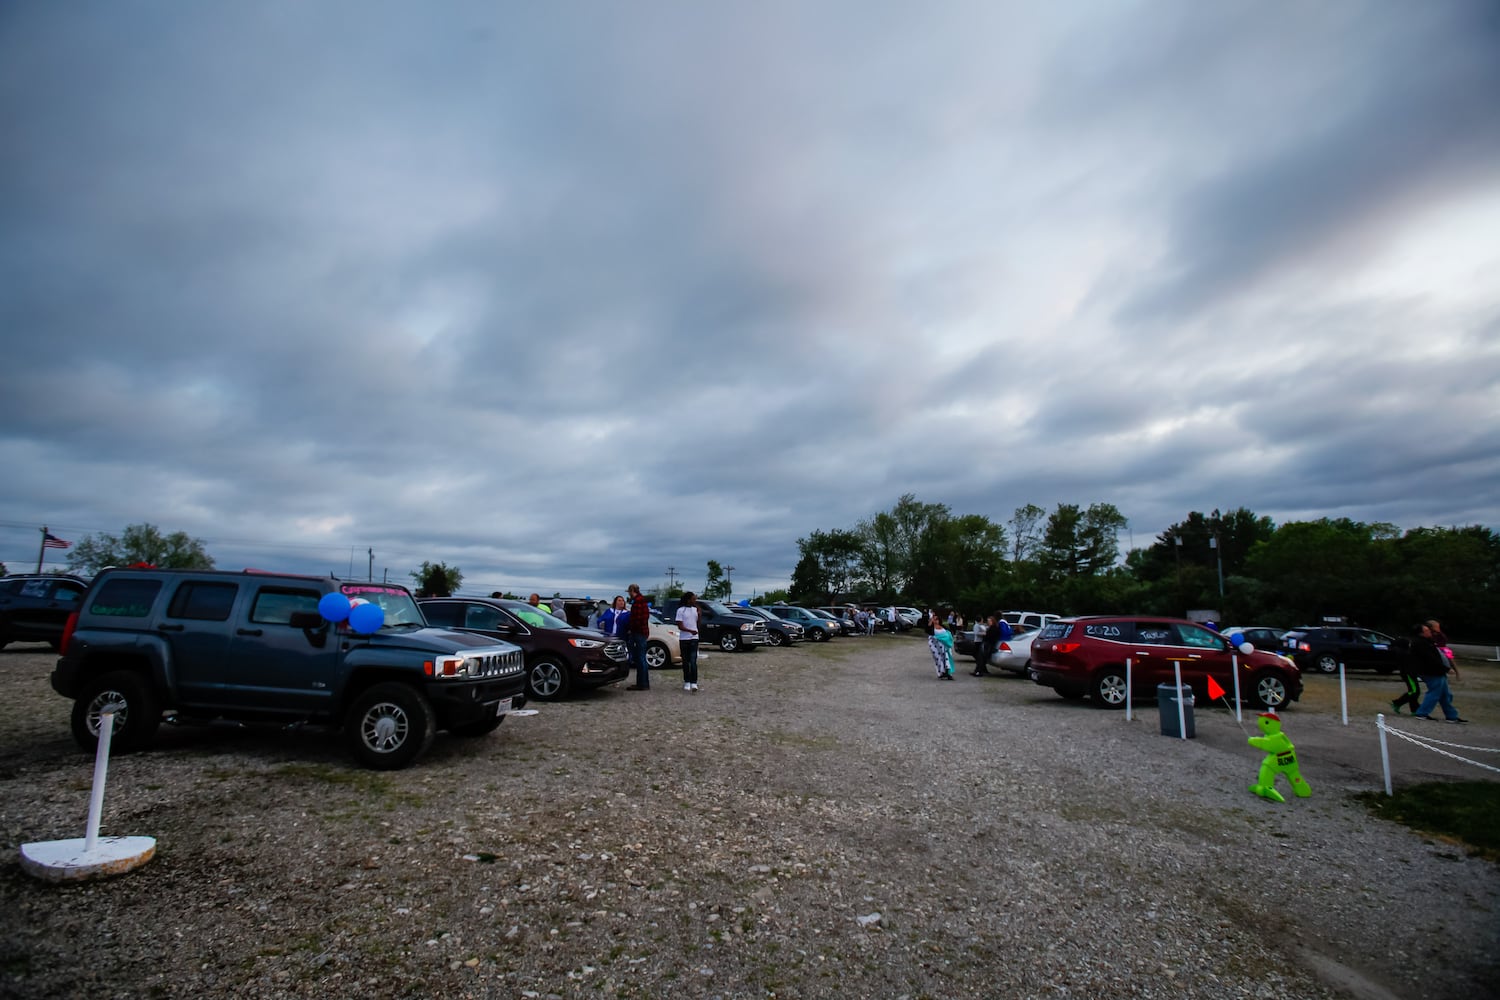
x=1055 y=630
x=125 y=598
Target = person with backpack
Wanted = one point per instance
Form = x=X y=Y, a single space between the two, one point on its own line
x=1433 y=667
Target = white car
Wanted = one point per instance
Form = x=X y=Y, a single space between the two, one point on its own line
x=1014 y=654
x=1028 y=619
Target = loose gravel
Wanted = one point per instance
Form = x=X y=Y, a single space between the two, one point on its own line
x=825 y=821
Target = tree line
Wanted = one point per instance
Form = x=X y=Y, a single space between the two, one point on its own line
x=1244 y=567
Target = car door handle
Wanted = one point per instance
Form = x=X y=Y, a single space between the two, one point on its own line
x=169 y=628
x=248 y=631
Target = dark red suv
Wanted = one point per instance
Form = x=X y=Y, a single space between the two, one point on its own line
x=1086 y=656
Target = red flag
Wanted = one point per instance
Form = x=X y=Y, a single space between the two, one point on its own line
x=51 y=541
x=1214 y=691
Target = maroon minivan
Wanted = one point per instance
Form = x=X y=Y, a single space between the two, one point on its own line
x=1086 y=656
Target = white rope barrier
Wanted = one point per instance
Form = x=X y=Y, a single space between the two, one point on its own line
x=1428 y=743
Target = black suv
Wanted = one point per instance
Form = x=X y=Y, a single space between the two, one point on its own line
x=779 y=631
x=559 y=658
x=279 y=648
x=1323 y=649
x=35 y=608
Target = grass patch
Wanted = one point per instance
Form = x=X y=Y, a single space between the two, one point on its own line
x=1465 y=812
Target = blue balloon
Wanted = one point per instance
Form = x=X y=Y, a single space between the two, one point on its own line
x=745 y=602
x=366 y=618
x=1238 y=639
x=334 y=606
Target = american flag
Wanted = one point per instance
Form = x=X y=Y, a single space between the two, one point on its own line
x=51 y=541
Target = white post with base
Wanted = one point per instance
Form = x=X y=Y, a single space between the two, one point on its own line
x=91 y=857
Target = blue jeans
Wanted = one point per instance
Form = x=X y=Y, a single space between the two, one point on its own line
x=1438 y=692
x=689 y=660
x=636 y=645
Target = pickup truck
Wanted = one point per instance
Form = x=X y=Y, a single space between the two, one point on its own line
x=202 y=645
x=721 y=626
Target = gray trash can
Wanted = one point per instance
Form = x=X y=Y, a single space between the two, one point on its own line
x=1166 y=703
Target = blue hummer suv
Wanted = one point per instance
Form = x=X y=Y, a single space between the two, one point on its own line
x=202 y=645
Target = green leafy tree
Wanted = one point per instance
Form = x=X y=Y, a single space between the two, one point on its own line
x=807 y=586
x=715 y=586
x=836 y=555
x=1026 y=531
x=1081 y=542
x=139 y=543
x=437 y=579
x=879 y=559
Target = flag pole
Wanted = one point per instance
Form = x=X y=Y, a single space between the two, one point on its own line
x=41 y=552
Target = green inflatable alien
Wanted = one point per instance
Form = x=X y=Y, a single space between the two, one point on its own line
x=1281 y=758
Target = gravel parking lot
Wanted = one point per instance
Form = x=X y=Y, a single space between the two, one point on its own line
x=822 y=821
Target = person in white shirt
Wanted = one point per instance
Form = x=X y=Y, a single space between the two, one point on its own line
x=687 y=626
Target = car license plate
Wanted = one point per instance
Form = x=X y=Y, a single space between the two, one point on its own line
x=503 y=707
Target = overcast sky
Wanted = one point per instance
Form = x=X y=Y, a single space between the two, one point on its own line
x=567 y=294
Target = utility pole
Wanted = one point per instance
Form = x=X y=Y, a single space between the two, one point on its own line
x=371 y=574
x=729 y=582
x=671 y=577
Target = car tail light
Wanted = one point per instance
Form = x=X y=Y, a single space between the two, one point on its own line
x=1005 y=646
x=1066 y=647
x=1306 y=647
x=62 y=647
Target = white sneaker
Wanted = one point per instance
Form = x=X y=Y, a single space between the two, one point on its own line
x=687 y=687
x=695 y=687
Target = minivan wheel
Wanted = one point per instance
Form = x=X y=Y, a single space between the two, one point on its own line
x=1328 y=663
x=657 y=655
x=820 y=634
x=729 y=642
x=129 y=696
x=1109 y=688
x=1271 y=690
x=547 y=679
x=389 y=725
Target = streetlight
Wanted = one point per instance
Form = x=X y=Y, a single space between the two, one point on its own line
x=729 y=582
x=1213 y=543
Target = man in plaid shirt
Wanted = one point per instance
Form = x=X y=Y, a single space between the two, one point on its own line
x=636 y=633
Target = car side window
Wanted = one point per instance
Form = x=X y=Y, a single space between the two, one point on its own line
x=125 y=598
x=1155 y=634
x=67 y=592
x=482 y=616
x=199 y=600
x=35 y=588
x=443 y=614
x=1200 y=637
x=275 y=605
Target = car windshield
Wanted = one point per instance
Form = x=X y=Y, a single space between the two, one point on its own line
x=395 y=603
x=714 y=607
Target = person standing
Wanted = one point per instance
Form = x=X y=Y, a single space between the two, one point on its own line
x=637 y=631
x=1432 y=666
x=613 y=619
x=989 y=642
x=687 y=627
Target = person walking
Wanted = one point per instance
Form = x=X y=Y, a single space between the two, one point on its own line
x=939 y=642
x=687 y=627
x=1408 y=666
x=637 y=631
x=1433 y=667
